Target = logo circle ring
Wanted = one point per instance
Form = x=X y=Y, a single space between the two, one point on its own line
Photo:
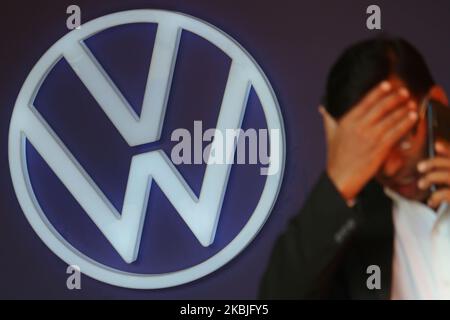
x=27 y=199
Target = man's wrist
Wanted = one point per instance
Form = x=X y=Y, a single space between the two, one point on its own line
x=343 y=188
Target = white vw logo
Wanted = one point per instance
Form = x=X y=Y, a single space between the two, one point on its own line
x=123 y=230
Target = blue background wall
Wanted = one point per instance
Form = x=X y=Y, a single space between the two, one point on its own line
x=294 y=42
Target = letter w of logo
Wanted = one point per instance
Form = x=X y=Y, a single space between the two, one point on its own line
x=123 y=230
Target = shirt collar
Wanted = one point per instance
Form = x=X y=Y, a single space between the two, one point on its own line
x=397 y=198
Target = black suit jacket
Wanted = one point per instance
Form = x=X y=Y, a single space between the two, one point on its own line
x=327 y=247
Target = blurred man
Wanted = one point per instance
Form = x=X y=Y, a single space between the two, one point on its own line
x=372 y=209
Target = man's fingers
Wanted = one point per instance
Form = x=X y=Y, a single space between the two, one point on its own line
x=438 y=197
x=441 y=177
x=396 y=125
x=433 y=163
x=329 y=123
x=381 y=108
x=371 y=98
x=442 y=148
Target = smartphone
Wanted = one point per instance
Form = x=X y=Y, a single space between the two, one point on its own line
x=438 y=126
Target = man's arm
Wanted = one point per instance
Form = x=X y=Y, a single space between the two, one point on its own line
x=306 y=257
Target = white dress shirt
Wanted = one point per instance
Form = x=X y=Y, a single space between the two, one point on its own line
x=421 y=261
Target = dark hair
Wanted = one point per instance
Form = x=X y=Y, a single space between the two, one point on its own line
x=367 y=63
